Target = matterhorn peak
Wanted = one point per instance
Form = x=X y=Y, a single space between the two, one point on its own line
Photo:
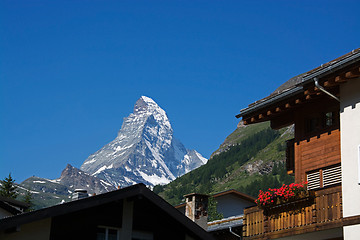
x=145 y=150
x=144 y=104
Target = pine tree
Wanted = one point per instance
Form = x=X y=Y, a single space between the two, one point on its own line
x=8 y=188
x=213 y=214
x=28 y=199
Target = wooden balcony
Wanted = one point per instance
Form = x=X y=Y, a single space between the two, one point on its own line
x=322 y=211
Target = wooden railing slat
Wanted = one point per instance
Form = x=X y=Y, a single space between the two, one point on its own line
x=326 y=207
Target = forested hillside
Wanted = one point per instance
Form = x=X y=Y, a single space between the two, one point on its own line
x=251 y=158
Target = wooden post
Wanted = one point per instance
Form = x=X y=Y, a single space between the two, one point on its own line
x=127 y=220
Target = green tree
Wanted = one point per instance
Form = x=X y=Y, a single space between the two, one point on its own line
x=158 y=188
x=213 y=214
x=28 y=199
x=8 y=188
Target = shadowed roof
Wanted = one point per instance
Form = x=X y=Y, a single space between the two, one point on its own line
x=138 y=190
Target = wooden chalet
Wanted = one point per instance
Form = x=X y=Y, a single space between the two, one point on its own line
x=129 y=213
x=324 y=107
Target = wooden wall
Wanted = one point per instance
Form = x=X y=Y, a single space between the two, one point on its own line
x=316 y=152
x=319 y=148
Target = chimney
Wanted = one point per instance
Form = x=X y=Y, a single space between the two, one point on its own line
x=196 y=208
x=79 y=194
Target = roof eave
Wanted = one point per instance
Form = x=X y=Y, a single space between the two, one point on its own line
x=307 y=78
x=331 y=68
x=275 y=99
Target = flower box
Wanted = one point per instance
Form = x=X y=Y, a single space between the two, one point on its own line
x=294 y=192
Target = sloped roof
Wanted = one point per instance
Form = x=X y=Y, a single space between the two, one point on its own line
x=11 y=205
x=225 y=223
x=226 y=192
x=295 y=85
x=138 y=190
x=236 y=193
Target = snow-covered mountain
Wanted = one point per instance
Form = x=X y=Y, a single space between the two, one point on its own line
x=144 y=150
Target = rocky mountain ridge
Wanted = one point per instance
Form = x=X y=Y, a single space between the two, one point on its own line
x=145 y=150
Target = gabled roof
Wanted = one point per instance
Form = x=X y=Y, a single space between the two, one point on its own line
x=138 y=190
x=224 y=193
x=235 y=193
x=12 y=206
x=295 y=85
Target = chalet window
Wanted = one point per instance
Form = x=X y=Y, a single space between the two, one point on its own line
x=320 y=121
x=105 y=233
x=324 y=177
x=329 y=119
x=312 y=124
x=110 y=233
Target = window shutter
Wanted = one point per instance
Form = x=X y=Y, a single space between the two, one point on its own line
x=332 y=176
x=313 y=180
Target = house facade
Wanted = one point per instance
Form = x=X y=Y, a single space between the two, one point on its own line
x=130 y=213
x=350 y=156
x=324 y=106
x=229 y=203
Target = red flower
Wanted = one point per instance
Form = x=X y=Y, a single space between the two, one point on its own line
x=283 y=194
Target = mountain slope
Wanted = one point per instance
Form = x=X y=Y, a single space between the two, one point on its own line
x=144 y=150
x=241 y=132
x=251 y=158
x=45 y=192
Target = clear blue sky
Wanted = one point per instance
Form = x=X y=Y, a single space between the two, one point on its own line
x=70 y=71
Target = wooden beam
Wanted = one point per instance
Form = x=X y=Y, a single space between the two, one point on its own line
x=340 y=79
x=330 y=83
x=311 y=91
x=308 y=92
x=352 y=74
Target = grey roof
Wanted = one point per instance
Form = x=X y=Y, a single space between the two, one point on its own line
x=295 y=84
x=225 y=223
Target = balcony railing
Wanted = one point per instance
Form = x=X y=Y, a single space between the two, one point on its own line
x=318 y=212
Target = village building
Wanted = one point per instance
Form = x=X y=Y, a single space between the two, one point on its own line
x=229 y=203
x=324 y=107
x=131 y=213
x=10 y=207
